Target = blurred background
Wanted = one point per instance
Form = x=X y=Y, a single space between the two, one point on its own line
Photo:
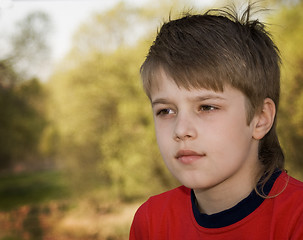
x=77 y=148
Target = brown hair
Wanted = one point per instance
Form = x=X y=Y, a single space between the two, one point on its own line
x=216 y=49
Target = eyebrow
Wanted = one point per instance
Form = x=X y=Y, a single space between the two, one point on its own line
x=194 y=99
x=207 y=97
x=159 y=101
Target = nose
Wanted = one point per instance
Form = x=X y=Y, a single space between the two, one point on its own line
x=184 y=128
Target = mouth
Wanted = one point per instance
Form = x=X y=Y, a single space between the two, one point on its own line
x=188 y=156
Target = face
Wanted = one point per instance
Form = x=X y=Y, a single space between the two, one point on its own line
x=203 y=135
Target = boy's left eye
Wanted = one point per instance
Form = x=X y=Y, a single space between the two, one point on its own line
x=207 y=108
x=165 y=111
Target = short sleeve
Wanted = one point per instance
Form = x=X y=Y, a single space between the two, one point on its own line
x=139 y=228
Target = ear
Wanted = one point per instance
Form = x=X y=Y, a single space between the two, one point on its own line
x=264 y=120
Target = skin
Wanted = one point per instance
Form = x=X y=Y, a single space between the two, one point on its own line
x=206 y=143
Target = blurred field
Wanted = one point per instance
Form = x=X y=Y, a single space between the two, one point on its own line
x=31 y=188
x=40 y=206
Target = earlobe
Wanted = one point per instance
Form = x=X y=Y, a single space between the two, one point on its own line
x=265 y=119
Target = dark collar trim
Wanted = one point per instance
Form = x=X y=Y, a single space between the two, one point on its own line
x=236 y=213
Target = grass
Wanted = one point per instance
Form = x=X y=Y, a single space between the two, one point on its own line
x=41 y=206
x=31 y=188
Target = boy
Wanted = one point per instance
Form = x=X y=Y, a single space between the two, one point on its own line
x=214 y=81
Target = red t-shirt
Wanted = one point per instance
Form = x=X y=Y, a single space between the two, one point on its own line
x=172 y=215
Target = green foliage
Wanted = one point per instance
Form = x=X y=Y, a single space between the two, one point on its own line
x=287 y=28
x=31 y=188
x=102 y=116
x=21 y=123
x=8 y=76
x=22 y=97
x=105 y=125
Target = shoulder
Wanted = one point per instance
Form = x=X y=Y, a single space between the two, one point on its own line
x=287 y=190
x=176 y=194
x=295 y=184
x=292 y=211
x=289 y=187
x=159 y=205
x=159 y=209
x=288 y=203
x=292 y=196
x=170 y=199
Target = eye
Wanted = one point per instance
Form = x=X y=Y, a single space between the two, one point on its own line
x=207 y=108
x=165 y=111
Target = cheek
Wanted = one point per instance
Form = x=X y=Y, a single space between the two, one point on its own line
x=162 y=135
x=228 y=135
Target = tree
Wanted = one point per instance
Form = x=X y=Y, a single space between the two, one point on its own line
x=21 y=124
x=286 y=26
x=22 y=96
x=28 y=44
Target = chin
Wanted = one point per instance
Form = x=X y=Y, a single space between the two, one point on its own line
x=196 y=183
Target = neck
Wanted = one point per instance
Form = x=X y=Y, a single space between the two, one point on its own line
x=226 y=194
x=214 y=202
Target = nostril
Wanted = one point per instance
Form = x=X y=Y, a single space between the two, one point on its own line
x=182 y=138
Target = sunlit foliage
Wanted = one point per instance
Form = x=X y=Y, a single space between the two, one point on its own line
x=287 y=27
x=99 y=109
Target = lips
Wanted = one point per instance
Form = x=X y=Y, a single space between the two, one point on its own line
x=188 y=156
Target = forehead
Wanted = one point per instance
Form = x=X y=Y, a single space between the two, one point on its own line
x=166 y=89
x=189 y=79
x=161 y=82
